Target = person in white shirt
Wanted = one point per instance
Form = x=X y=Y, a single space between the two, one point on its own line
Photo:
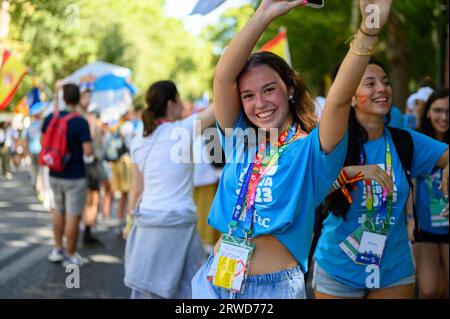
x=163 y=249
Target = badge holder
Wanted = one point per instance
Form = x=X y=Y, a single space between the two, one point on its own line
x=365 y=246
x=231 y=263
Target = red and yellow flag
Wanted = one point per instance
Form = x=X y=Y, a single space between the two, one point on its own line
x=12 y=73
x=279 y=45
x=22 y=107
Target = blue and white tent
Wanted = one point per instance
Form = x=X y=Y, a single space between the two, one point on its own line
x=112 y=92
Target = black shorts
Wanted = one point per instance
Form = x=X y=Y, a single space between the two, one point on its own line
x=93 y=175
x=424 y=237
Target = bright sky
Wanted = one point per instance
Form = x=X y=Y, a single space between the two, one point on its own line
x=194 y=24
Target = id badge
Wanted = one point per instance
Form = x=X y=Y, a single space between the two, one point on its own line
x=436 y=208
x=350 y=246
x=371 y=248
x=230 y=264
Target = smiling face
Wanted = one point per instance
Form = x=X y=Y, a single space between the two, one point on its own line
x=438 y=115
x=265 y=98
x=374 y=93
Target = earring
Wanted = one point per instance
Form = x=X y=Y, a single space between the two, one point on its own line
x=291 y=98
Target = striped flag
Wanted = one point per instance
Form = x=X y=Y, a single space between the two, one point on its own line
x=206 y=6
x=279 y=45
x=12 y=73
x=22 y=107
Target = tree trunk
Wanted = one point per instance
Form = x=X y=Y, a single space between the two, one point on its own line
x=399 y=58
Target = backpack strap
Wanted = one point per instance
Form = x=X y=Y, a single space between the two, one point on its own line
x=66 y=118
x=320 y=216
x=404 y=145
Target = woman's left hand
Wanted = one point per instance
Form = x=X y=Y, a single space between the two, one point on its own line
x=273 y=9
x=444 y=183
x=444 y=212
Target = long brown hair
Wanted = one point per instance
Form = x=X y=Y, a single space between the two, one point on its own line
x=157 y=98
x=302 y=106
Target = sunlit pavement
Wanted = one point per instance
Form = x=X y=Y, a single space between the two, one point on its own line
x=26 y=239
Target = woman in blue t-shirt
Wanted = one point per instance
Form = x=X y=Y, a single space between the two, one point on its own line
x=363 y=250
x=431 y=236
x=265 y=207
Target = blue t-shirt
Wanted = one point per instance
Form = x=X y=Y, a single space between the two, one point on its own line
x=425 y=185
x=396 y=118
x=286 y=197
x=33 y=136
x=396 y=262
x=77 y=134
x=409 y=121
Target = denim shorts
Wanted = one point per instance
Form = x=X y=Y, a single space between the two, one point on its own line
x=285 y=284
x=324 y=283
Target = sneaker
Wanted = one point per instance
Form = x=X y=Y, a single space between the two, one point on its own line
x=56 y=256
x=76 y=259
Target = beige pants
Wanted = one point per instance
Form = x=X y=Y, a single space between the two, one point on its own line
x=121 y=174
x=203 y=197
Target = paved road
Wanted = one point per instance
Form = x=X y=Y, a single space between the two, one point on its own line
x=26 y=240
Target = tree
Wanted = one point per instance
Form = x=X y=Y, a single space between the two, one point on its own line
x=55 y=38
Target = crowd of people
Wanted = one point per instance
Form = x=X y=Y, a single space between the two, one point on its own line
x=353 y=197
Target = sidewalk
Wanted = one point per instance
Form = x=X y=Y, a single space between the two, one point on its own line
x=26 y=239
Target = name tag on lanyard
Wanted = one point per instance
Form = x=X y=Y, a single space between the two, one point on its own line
x=365 y=246
x=231 y=263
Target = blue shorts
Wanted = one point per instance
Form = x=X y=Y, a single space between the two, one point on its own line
x=324 y=283
x=285 y=284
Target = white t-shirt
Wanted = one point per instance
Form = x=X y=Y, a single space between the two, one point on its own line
x=168 y=169
x=204 y=172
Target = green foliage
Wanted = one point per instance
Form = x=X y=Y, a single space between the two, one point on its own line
x=53 y=41
x=55 y=38
x=317 y=37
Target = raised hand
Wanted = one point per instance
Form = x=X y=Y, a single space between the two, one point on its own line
x=375 y=14
x=272 y=9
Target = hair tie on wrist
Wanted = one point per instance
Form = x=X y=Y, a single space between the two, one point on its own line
x=369 y=35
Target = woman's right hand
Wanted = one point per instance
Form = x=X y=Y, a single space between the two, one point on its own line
x=376 y=173
x=272 y=9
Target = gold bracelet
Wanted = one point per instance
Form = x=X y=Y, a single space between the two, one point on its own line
x=358 y=52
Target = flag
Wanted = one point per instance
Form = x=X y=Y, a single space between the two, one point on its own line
x=28 y=103
x=279 y=45
x=206 y=6
x=21 y=107
x=11 y=74
x=5 y=57
x=33 y=97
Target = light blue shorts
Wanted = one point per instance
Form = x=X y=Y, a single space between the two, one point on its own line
x=324 y=283
x=285 y=284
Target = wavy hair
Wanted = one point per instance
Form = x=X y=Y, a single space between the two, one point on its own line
x=302 y=106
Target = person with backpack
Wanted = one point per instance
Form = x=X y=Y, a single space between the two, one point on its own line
x=432 y=228
x=363 y=250
x=66 y=148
